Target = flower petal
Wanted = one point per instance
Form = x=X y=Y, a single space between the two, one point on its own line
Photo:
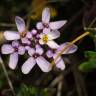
x=46 y=30
x=39 y=25
x=28 y=65
x=21 y=50
x=29 y=35
x=25 y=41
x=57 y=24
x=53 y=35
x=20 y=24
x=39 y=50
x=41 y=42
x=59 y=62
x=46 y=15
x=44 y=65
x=49 y=54
x=31 y=51
x=69 y=50
x=15 y=43
x=11 y=35
x=13 y=60
x=7 y=49
x=52 y=44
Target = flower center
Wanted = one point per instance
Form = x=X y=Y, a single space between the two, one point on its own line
x=45 y=25
x=23 y=34
x=35 y=55
x=45 y=38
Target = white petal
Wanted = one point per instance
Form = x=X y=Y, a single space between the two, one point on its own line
x=52 y=44
x=53 y=35
x=44 y=65
x=11 y=35
x=41 y=42
x=57 y=24
x=31 y=51
x=46 y=30
x=46 y=15
x=21 y=50
x=20 y=24
x=13 y=60
x=39 y=25
x=73 y=48
x=59 y=63
x=28 y=65
x=7 y=49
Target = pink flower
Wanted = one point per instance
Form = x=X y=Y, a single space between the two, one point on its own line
x=53 y=54
x=36 y=57
x=22 y=33
x=14 y=50
x=46 y=25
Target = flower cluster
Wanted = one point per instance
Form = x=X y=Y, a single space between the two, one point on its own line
x=38 y=43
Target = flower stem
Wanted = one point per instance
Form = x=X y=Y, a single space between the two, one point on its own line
x=7 y=77
x=70 y=44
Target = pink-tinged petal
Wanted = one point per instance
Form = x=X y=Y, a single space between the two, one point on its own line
x=52 y=44
x=49 y=54
x=39 y=25
x=41 y=42
x=46 y=30
x=28 y=65
x=73 y=48
x=59 y=63
x=29 y=35
x=7 y=49
x=13 y=60
x=25 y=41
x=27 y=47
x=46 y=15
x=20 y=24
x=21 y=50
x=39 y=50
x=34 y=31
x=57 y=24
x=53 y=35
x=15 y=43
x=31 y=51
x=11 y=35
x=44 y=65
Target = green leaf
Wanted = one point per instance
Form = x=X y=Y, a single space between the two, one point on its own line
x=88 y=66
x=90 y=54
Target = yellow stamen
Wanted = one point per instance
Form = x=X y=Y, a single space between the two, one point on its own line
x=70 y=44
x=45 y=38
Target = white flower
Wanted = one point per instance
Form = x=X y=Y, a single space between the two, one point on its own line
x=59 y=62
x=36 y=58
x=14 y=50
x=22 y=33
x=48 y=39
x=46 y=25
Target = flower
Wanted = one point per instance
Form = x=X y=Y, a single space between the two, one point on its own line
x=22 y=33
x=46 y=25
x=48 y=39
x=36 y=56
x=53 y=54
x=13 y=50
